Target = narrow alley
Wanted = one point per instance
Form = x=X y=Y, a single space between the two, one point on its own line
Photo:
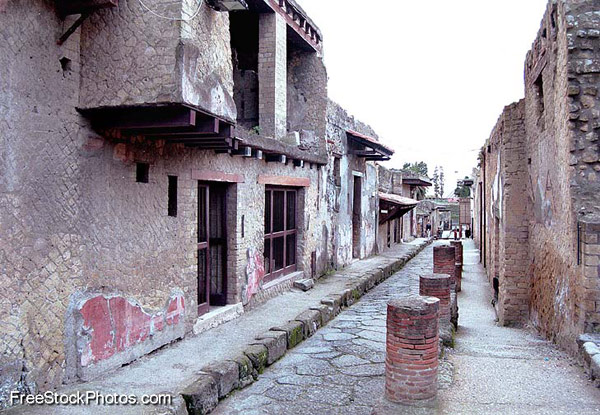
x=492 y=369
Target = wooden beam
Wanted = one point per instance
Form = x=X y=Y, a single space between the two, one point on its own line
x=243 y=151
x=147 y=118
x=284 y=180
x=276 y=158
x=202 y=128
x=217 y=176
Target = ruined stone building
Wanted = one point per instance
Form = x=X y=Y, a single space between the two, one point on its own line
x=164 y=164
x=537 y=196
x=400 y=192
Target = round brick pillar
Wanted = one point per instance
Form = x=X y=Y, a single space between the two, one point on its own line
x=438 y=286
x=444 y=262
x=411 y=363
x=458 y=276
x=459 y=251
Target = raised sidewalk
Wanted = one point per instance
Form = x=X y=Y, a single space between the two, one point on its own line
x=199 y=370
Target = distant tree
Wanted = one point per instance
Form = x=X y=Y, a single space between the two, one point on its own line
x=436 y=182
x=441 y=181
x=462 y=190
x=419 y=168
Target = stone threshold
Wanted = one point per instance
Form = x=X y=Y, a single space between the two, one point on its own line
x=220 y=379
x=218 y=316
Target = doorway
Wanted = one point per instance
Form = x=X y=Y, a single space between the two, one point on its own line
x=356 y=217
x=212 y=246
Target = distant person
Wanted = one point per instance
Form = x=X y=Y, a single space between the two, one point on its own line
x=468 y=233
x=428 y=228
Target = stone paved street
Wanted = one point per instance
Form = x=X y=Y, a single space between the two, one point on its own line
x=340 y=370
x=493 y=370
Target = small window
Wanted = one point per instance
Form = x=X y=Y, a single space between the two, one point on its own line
x=173 y=196
x=539 y=91
x=337 y=172
x=142 y=171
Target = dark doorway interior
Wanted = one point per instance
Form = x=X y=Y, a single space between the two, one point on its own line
x=356 y=216
x=281 y=232
x=212 y=246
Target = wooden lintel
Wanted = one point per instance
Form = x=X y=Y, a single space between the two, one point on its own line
x=147 y=118
x=243 y=151
x=217 y=176
x=284 y=181
x=202 y=128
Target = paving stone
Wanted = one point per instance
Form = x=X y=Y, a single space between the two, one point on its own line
x=315 y=367
x=285 y=392
x=348 y=360
x=372 y=335
x=338 y=336
x=373 y=369
x=300 y=380
x=330 y=396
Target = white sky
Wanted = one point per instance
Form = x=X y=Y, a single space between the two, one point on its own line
x=431 y=77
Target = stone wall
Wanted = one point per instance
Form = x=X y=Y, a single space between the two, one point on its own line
x=130 y=56
x=542 y=247
x=76 y=225
x=339 y=192
x=552 y=230
x=507 y=210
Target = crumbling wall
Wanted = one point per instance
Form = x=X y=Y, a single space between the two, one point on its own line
x=340 y=198
x=580 y=78
x=306 y=96
x=553 y=231
x=130 y=56
x=76 y=224
x=510 y=188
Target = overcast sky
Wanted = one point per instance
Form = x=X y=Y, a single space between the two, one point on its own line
x=431 y=77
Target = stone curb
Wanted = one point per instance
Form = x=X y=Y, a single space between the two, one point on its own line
x=219 y=379
x=589 y=347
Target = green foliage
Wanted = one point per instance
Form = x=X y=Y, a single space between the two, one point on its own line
x=462 y=190
x=419 y=168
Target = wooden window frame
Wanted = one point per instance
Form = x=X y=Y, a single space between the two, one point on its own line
x=287 y=268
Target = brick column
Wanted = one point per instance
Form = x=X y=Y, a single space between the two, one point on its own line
x=272 y=75
x=412 y=346
x=444 y=262
x=458 y=255
x=438 y=286
x=458 y=269
x=589 y=258
x=458 y=276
